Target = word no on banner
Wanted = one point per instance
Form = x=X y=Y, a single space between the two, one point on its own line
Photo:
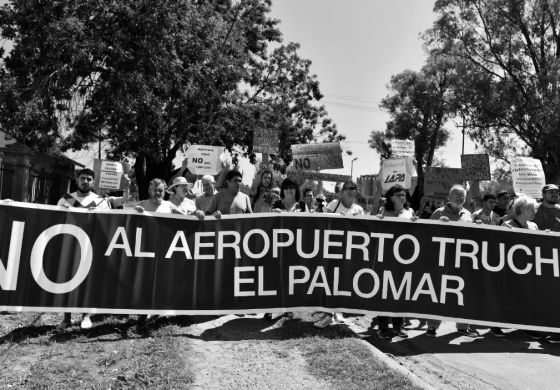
x=52 y=258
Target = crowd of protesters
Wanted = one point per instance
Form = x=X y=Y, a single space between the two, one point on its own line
x=287 y=196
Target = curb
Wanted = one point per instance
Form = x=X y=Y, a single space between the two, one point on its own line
x=392 y=363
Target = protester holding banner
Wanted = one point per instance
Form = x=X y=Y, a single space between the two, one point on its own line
x=290 y=198
x=260 y=198
x=395 y=206
x=155 y=202
x=345 y=205
x=502 y=202
x=203 y=200
x=230 y=200
x=486 y=214
x=547 y=216
x=84 y=197
x=178 y=191
x=453 y=211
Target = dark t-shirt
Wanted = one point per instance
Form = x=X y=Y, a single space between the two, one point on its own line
x=500 y=211
x=548 y=218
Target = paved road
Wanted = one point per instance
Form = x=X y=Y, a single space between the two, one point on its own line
x=455 y=361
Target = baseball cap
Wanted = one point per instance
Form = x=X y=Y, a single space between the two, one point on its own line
x=550 y=187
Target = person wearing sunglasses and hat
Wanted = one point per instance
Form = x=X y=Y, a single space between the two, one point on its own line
x=547 y=216
x=320 y=200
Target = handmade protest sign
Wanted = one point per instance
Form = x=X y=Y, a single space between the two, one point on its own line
x=394 y=171
x=204 y=159
x=438 y=181
x=317 y=156
x=108 y=175
x=266 y=141
x=401 y=148
x=53 y=259
x=476 y=166
x=528 y=176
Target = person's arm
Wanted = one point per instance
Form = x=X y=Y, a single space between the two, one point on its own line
x=249 y=210
x=213 y=206
x=176 y=210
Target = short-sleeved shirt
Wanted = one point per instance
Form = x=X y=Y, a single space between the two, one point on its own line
x=462 y=215
x=91 y=200
x=548 y=217
x=337 y=207
x=240 y=204
x=164 y=207
x=515 y=224
x=187 y=206
x=492 y=219
x=404 y=213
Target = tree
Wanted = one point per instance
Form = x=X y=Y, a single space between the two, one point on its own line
x=508 y=53
x=152 y=77
x=419 y=104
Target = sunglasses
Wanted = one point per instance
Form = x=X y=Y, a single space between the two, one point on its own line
x=351 y=188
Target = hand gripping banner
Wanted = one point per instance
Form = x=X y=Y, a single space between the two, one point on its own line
x=52 y=259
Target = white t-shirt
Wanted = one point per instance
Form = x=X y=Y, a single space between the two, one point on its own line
x=91 y=200
x=164 y=207
x=337 y=207
x=187 y=206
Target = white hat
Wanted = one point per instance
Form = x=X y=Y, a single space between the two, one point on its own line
x=178 y=181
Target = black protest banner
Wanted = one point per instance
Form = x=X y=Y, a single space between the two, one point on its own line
x=476 y=166
x=88 y=261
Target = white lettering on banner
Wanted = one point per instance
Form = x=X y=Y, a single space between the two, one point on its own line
x=238 y=281
x=179 y=236
x=86 y=255
x=234 y=245
x=327 y=243
x=198 y=244
x=397 y=253
x=9 y=274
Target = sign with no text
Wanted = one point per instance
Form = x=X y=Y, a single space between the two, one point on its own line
x=476 y=166
x=204 y=159
x=528 y=176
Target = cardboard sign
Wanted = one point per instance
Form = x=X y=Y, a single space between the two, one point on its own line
x=317 y=156
x=394 y=171
x=310 y=175
x=401 y=148
x=108 y=175
x=266 y=141
x=438 y=182
x=476 y=166
x=204 y=159
x=528 y=176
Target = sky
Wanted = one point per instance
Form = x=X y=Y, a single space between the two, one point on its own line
x=355 y=47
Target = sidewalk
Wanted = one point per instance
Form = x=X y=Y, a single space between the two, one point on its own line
x=454 y=361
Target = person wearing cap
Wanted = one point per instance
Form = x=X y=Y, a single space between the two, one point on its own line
x=320 y=201
x=178 y=191
x=502 y=202
x=208 y=191
x=344 y=205
x=547 y=216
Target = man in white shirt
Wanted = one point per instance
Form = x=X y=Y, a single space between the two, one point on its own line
x=84 y=197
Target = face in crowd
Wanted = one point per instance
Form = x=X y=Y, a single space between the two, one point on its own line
x=489 y=204
x=399 y=199
x=181 y=191
x=207 y=187
x=349 y=192
x=290 y=192
x=551 y=196
x=308 y=198
x=85 y=183
x=503 y=201
x=266 y=179
x=156 y=192
x=234 y=184
x=457 y=197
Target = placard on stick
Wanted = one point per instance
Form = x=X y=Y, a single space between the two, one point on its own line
x=317 y=156
x=476 y=166
x=438 y=181
x=266 y=141
x=310 y=175
x=204 y=159
x=402 y=148
x=528 y=176
x=108 y=175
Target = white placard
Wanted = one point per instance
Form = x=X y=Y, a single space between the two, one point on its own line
x=204 y=159
x=108 y=175
x=528 y=176
x=394 y=171
x=402 y=148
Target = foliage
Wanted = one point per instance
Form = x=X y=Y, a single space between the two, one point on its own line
x=508 y=56
x=153 y=77
x=419 y=104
